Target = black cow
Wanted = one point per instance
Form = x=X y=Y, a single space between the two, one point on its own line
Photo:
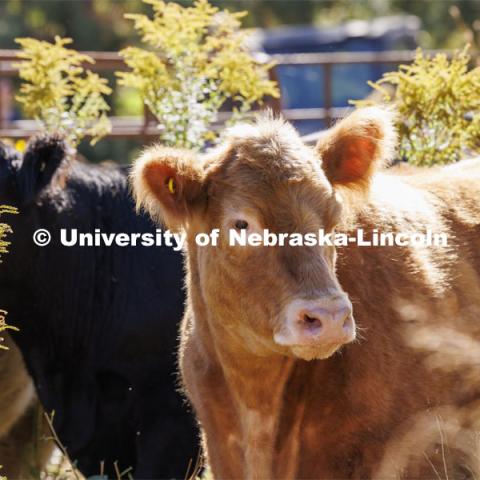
x=98 y=325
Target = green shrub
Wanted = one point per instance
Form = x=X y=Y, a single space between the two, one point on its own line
x=57 y=90
x=194 y=62
x=438 y=102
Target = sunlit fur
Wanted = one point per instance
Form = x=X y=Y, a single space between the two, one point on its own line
x=188 y=176
x=264 y=410
x=370 y=127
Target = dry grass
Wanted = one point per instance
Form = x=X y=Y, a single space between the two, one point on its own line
x=61 y=467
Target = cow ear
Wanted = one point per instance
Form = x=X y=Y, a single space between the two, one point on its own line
x=169 y=184
x=42 y=160
x=358 y=145
x=9 y=159
x=7 y=153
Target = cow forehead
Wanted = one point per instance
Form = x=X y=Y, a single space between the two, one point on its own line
x=285 y=204
x=266 y=167
x=258 y=184
x=270 y=149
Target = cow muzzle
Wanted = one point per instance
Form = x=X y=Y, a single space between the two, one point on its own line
x=316 y=329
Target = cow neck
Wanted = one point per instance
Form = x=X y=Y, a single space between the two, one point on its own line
x=257 y=385
x=268 y=400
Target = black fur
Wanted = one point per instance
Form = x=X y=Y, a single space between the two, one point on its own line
x=45 y=157
x=98 y=326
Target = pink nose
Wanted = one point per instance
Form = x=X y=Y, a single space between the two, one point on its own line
x=326 y=324
x=316 y=329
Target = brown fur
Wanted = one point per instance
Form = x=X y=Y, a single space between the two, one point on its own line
x=23 y=449
x=264 y=410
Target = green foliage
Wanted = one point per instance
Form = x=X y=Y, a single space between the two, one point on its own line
x=196 y=61
x=60 y=92
x=438 y=101
x=4 y=230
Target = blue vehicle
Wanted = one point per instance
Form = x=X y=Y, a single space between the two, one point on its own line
x=302 y=86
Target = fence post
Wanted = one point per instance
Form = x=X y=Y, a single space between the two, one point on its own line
x=4 y=102
x=275 y=104
x=327 y=94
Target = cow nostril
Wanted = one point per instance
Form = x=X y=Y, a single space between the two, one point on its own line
x=310 y=320
x=312 y=324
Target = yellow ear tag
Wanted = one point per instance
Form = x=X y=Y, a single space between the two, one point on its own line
x=171 y=185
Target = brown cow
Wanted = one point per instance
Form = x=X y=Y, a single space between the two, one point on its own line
x=263 y=323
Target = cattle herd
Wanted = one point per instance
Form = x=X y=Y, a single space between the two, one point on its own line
x=315 y=362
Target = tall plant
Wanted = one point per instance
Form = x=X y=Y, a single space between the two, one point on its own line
x=4 y=230
x=438 y=102
x=194 y=60
x=60 y=92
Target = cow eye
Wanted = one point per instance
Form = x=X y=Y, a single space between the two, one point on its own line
x=241 y=225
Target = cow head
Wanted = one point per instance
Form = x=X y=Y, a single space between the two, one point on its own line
x=269 y=299
x=22 y=181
